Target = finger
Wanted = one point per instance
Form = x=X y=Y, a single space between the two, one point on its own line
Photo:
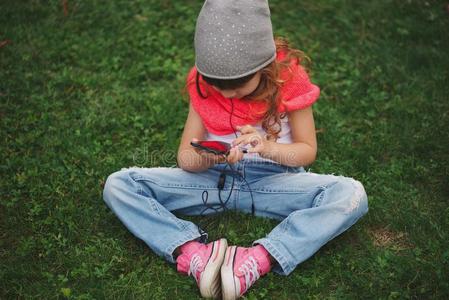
x=199 y=151
x=246 y=129
x=232 y=157
x=256 y=149
x=240 y=154
x=204 y=154
x=255 y=140
x=239 y=140
x=229 y=158
x=207 y=155
x=210 y=157
x=220 y=158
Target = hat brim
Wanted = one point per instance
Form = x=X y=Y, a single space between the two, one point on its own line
x=254 y=70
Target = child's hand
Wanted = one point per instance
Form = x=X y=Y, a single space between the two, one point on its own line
x=210 y=158
x=235 y=155
x=250 y=136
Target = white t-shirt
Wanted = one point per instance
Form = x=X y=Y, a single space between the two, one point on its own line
x=284 y=138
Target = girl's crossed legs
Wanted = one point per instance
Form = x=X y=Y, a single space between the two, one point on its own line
x=313 y=208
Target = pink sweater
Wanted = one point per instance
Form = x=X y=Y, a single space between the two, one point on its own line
x=297 y=92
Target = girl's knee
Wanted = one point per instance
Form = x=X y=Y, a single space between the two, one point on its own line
x=114 y=183
x=355 y=200
x=359 y=197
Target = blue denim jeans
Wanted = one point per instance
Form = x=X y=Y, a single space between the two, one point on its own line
x=312 y=208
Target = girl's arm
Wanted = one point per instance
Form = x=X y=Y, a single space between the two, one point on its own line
x=302 y=151
x=189 y=158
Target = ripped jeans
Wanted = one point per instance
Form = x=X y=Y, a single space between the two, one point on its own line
x=312 y=208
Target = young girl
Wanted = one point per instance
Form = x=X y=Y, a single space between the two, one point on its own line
x=247 y=89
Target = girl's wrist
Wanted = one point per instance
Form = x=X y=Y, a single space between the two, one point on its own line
x=268 y=149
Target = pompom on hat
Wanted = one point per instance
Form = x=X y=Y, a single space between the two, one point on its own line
x=233 y=38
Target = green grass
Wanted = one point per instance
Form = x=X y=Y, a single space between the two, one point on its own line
x=84 y=95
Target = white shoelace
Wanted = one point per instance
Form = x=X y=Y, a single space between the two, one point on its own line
x=248 y=268
x=195 y=264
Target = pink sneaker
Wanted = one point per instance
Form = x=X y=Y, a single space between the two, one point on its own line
x=203 y=262
x=241 y=268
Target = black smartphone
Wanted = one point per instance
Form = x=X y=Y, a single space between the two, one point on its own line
x=215 y=147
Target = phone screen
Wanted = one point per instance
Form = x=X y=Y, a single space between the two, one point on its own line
x=215 y=145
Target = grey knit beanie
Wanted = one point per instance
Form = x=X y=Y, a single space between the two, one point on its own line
x=233 y=38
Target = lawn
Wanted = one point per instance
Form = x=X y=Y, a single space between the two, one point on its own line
x=95 y=87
